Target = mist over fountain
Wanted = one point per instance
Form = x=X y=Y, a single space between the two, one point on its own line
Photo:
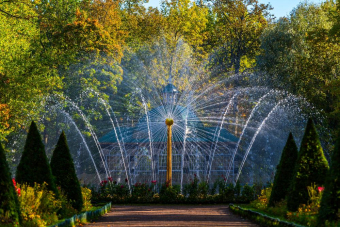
x=220 y=129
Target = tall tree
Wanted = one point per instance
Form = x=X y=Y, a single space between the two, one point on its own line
x=284 y=172
x=9 y=203
x=184 y=21
x=330 y=202
x=238 y=27
x=34 y=167
x=65 y=175
x=24 y=76
x=299 y=56
x=311 y=167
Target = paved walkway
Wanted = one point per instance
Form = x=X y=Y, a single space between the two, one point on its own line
x=171 y=215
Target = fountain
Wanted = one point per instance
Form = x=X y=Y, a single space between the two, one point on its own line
x=218 y=129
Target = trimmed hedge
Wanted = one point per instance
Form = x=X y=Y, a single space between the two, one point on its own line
x=284 y=172
x=84 y=218
x=9 y=203
x=261 y=219
x=34 y=167
x=330 y=202
x=65 y=175
x=311 y=167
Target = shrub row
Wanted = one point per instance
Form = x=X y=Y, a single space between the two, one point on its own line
x=194 y=193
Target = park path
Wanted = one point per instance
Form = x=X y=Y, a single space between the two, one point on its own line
x=171 y=215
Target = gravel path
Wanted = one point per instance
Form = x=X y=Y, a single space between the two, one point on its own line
x=171 y=215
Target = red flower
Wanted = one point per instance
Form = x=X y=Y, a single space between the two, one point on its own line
x=320 y=189
x=105 y=181
x=122 y=186
x=153 y=181
x=15 y=186
x=110 y=179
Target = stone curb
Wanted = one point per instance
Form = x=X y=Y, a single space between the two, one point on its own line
x=85 y=217
x=256 y=216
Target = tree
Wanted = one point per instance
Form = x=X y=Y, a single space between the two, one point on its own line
x=284 y=172
x=238 y=27
x=9 y=203
x=299 y=56
x=330 y=202
x=185 y=21
x=311 y=167
x=21 y=66
x=34 y=167
x=64 y=172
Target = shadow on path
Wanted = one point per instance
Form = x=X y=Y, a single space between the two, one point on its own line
x=171 y=215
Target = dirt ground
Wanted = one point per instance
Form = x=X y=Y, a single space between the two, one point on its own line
x=171 y=215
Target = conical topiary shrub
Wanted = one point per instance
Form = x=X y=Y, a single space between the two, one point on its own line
x=9 y=203
x=63 y=170
x=330 y=202
x=284 y=172
x=311 y=167
x=34 y=166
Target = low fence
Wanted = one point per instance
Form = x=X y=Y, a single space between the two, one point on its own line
x=83 y=218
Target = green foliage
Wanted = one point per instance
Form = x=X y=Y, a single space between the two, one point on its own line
x=9 y=204
x=262 y=201
x=86 y=193
x=113 y=191
x=248 y=194
x=330 y=203
x=34 y=167
x=142 y=192
x=66 y=209
x=237 y=30
x=307 y=213
x=311 y=167
x=284 y=172
x=196 y=190
x=169 y=193
x=299 y=56
x=64 y=172
x=39 y=206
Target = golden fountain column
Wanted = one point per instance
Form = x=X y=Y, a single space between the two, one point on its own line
x=169 y=122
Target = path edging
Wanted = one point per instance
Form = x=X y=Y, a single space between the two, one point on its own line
x=259 y=218
x=84 y=217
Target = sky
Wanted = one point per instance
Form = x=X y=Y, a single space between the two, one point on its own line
x=281 y=7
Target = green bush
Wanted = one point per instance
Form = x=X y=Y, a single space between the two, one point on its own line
x=284 y=172
x=311 y=167
x=66 y=210
x=65 y=175
x=142 y=192
x=39 y=206
x=87 y=194
x=34 y=167
x=330 y=203
x=9 y=204
x=169 y=194
x=247 y=194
